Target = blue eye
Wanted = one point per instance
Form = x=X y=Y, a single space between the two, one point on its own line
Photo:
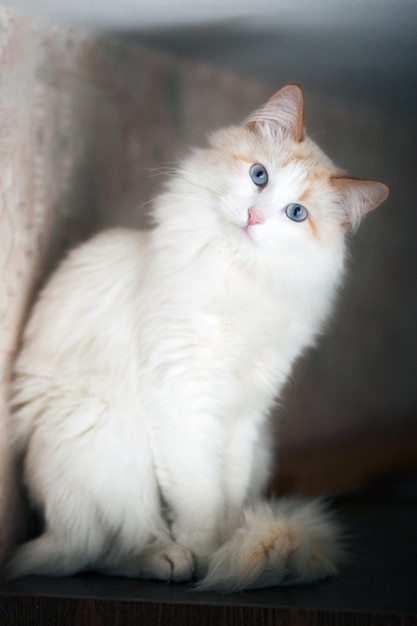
x=296 y=212
x=259 y=175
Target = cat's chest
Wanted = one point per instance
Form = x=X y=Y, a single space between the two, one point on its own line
x=227 y=327
x=252 y=329
x=246 y=352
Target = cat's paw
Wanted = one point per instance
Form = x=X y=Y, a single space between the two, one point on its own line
x=167 y=561
x=281 y=543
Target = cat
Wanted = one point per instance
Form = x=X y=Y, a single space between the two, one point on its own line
x=142 y=392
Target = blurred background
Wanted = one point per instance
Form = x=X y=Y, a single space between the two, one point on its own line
x=96 y=94
x=360 y=50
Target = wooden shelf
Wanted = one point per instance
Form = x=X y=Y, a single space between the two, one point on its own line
x=377 y=588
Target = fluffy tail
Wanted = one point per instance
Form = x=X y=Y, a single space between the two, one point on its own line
x=283 y=542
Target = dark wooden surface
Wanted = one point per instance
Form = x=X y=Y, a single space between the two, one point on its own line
x=378 y=587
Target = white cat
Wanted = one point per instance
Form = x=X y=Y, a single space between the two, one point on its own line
x=142 y=392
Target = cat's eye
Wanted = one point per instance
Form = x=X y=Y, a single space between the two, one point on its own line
x=259 y=175
x=296 y=212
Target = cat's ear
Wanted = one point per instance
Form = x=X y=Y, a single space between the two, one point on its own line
x=283 y=113
x=358 y=197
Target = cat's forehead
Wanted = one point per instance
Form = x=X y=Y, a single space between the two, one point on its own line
x=242 y=144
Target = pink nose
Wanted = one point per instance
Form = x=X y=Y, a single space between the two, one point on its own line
x=254 y=218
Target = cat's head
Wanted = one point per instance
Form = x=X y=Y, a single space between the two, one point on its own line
x=266 y=186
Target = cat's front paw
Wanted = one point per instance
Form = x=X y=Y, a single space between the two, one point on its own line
x=202 y=543
x=167 y=561
x=289 y=542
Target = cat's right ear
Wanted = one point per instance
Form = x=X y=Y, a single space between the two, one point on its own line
x=282 y=114
x=357 y=197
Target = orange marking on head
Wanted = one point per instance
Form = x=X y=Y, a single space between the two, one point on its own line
x=305 y=195
x=299 y=152
x=241 y=157
x=313 y=226
x=251 y=126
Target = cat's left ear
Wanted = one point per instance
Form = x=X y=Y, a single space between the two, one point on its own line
x=283 y=113
x=358 y=197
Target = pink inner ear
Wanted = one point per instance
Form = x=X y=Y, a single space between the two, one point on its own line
x=290 y=103
x=284 y=111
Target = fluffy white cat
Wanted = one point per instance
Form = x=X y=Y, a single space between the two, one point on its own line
x=141 y=395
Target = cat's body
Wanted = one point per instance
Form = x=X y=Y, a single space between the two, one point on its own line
x=149 y=367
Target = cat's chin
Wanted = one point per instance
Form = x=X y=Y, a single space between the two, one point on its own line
x=254 y=241
x=249 y=232
x=247 y=242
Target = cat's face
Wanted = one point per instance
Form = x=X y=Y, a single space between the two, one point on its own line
x=267 y=188
x=275 y=195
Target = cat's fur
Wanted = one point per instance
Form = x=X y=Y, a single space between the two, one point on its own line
x=149 y=366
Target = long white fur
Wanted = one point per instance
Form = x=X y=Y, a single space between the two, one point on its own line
x=149 y=366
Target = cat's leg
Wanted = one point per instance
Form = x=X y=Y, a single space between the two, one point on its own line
x=100 y=501
x=160 y=560
x=141 y=544
x=279 y=543
x=188 y=467
x=45 y=556
x=144 y=548
x=196 y=522
x=247 y=465
x=74 y=535
x=206 y=474
x=148 y=553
